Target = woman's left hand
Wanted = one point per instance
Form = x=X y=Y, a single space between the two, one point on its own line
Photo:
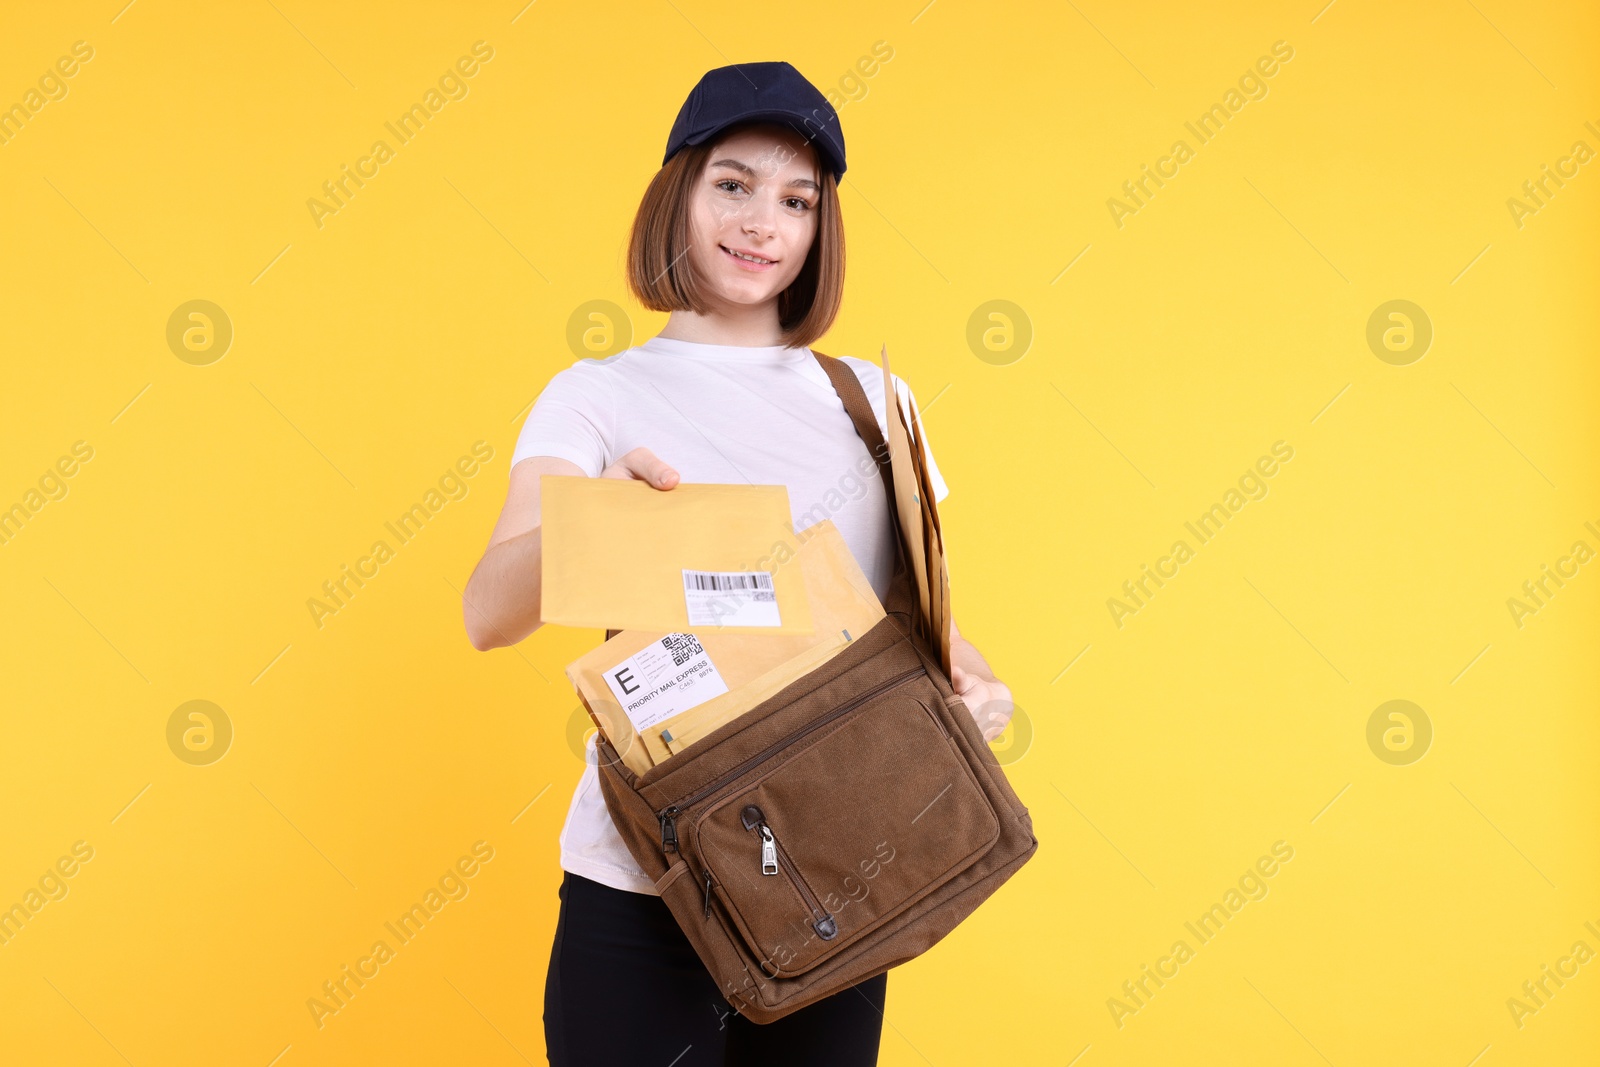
x=989 y=701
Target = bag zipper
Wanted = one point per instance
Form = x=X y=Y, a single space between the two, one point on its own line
x=668 y=816
x=769 y=851
x=755 y=819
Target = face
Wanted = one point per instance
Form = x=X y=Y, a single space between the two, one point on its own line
x=754 y=213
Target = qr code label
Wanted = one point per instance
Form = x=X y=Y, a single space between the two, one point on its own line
x=684 y=647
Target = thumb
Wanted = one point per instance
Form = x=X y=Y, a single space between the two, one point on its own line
x=657 y=473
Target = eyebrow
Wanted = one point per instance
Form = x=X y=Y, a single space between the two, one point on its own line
x=797 y=183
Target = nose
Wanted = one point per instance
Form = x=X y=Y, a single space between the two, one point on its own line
x=757 y=218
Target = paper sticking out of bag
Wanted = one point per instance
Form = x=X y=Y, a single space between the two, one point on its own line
x=938 y=574
x=919 y=519
x=906 y=493
x=620 y=554
x=654 y=694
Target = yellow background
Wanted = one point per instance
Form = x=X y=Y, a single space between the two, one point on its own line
x=1229 y=313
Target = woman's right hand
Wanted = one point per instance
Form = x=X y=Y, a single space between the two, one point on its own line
x=501 y=603
x=642 y=465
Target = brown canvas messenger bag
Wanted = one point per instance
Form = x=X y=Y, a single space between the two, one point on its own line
x=839 y=828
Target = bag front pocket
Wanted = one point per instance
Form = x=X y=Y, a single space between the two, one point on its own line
x=848 y=831
x=818 y=918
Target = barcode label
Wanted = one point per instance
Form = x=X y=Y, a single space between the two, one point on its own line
x=730 y=598
x=722 y=581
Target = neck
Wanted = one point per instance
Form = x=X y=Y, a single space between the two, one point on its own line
x=739 y=325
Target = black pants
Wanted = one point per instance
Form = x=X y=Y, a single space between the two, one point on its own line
x=626 y=988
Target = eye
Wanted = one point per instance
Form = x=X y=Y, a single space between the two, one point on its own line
x=723 y=183
x=798 y=203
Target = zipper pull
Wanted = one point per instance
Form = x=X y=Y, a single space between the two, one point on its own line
x=755 y=819
x=708 y=892
x=769 y=851
x=669 y=829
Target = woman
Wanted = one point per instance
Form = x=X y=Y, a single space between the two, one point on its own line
x=739 y=236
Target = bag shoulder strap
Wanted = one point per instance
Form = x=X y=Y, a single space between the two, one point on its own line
x=859 y=408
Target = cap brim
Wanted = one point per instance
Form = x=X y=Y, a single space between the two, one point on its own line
x=795 y=120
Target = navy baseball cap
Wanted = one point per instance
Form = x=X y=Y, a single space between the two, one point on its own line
x=759 y=92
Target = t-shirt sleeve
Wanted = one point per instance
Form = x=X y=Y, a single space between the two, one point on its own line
x=909 y=400
x=570 y=420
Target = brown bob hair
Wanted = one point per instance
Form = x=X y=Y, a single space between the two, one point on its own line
x=663 y=278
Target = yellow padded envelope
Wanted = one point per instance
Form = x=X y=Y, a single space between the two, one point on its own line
x=640 y=666
x=615 y=552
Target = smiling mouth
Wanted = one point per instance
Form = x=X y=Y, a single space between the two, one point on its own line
x=747 y=257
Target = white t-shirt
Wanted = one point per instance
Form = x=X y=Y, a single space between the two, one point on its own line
x=717 y=413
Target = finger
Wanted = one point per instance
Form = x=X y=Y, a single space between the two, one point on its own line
x=648 y=467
